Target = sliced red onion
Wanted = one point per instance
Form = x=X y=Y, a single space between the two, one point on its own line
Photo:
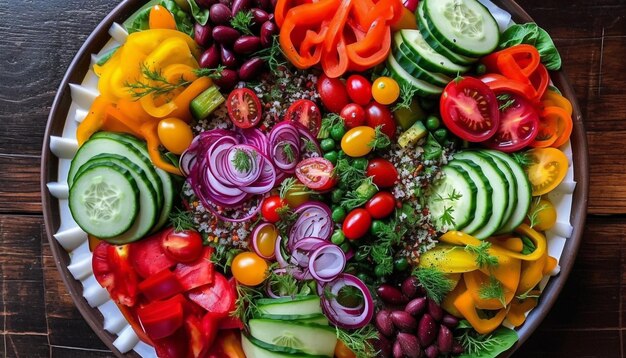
x=301 y=252
x=278 y=252
x=232 y=173
x=256 y=138
x=255 y=245
x=314 y=220
x=306 y=136
x=347 y=317
x=266 y=180
x=200 y=144
x=326 y=262
x=282 y=160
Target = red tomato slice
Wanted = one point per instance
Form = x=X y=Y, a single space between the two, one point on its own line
x=218 y=299
x=306 y=113
x=161 y=319
x=160 y=286
x=384 y=174
x=470 y=109
x=244 y=108
x=316 y=173
x=113 y=271
x=198 y=273
x=182 y=246
x=519 y=123
x=147 y=256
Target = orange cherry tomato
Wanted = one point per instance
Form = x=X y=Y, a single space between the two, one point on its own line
x=161 y=18
x=548 y=168
x=385 y=90
x=342 y=351
x=249 y=269
x=175 y=135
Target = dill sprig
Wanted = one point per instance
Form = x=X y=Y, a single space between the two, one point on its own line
x=292 y=186
x=351 y=176
x=536 y=208
x=327 y=123
x=359 y=341
x=493 y=290
x=289 y=153
x=453 y=196
x=272 y=55
x=483 y=257
x=407 y=94
x=523 y=159
x=475 y=343
x=181 y=220
x=287 y=219
x=156 y=84
x=435 y=282
x=242 y=22
x=245 y=305
x=310 y=146
x=505 y=101
x=223 y=256
x=380 y=141
x=242 y=161
x=214 y=73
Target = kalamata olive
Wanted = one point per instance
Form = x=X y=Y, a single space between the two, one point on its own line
x=432 y=351
x=416 y=306
x=383 y=323
x=240 y=5
x=268 y=30
x=457 y=347
x=247 y=44
x=228 y=57
x=382 y=345
x=225 y=35
x=397 y=350
x=427 y=330
x=444 y=340
x=228 y=80
x=391 y=295
x=210 y=58
x=205 y=3
x=202 y=34
x=259 y=16
x=435 y=310
x=409 y=286
x=251 y=68
x=403 y=321
x=449 y=321
x=409 y=344
x=264 y=4
x=220 y=14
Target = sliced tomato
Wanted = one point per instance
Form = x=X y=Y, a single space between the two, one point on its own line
x=113 y=271
x=198 y=273
x=547 y=134
x=218 y=299
x=161 y=319
x=306 y=113
x=469 y=109
x=519 y=123
x=316 y=173
x=548 y=168
x=148 y=257
x=160 y=286
x=182 y=246
x=244 y=108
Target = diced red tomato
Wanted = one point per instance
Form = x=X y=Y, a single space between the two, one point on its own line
x=147 y=256
x=161 y=319
x=196 y=274
x=160 y=286
x=113 y=271
x=218 y=299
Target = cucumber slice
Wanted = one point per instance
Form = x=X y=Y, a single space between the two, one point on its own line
x=422 y=88
x=464 y=26
x=512 y=181
x=406 y=60
x=455 y=193
x=426 y=56
x=311 y=318
x=309 y=338
x=304 y=305
x=104 y=200
x=483 y=210
x=252 y=347
x=524 y=192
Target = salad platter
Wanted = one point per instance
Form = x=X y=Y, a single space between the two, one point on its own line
x=332 y=178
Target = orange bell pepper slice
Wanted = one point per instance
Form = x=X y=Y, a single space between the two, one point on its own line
x=373 y=48
x=555 y=127
x=117 y=121
x=93 y=121
x=552 y=98
x=149 y=131
x=465 y=304
x=183 y=100
x=516 y=62
x=547 y=134
x=517 y=312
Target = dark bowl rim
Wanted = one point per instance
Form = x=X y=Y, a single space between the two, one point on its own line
x=99 y=36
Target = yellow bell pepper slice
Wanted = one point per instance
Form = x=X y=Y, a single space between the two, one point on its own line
x=517 y=311
x=449 y=259
x=93 y=121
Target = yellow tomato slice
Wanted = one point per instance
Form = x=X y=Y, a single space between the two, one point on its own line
x=548 y=168
x=552 y=98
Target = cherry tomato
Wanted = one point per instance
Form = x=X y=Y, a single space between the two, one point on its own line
x=548 y=168
x=342 y=351
x=316 y=173
x=249 y=268
x=182 y=246
x=161 y=18
x=469 y=109
x=356 y=142
x=376 y=115
x=353 y=115
x=297 y=195
x=174 y=134
x=244 y=108
x=542 y=214
x=113 y=271
x=306 y=113
x=519 y=123
x=356 y=224
x=359 y=89
x=383 y=172
x=265 y=241
x=269 y=207
x=381 y=205
x=385 y=90
x=332 y=93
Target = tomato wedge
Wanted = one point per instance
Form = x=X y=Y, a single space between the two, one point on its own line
x=469 y=108
x=306 y=113
x=548 y=168
x=519 y=123
x=114 y=272
x=316 y=173
x=244 y=108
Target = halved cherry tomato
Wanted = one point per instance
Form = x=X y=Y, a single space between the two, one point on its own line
x=332 y=93
x=376 y=115
x=469 y=109
x=316 y=173
x=113 y=271
x=182 y=246
x=161 y=319
x=548 y=168
x=306 y=113
x=218 y=299
x=175 y=134
x=384 y=174
x=381 y=205
x=197 y=273
x=543 y=214
x=148 y=257
x=249 y=268
x=359 y=89
x=161 y=18
x=160 y=286
x=244 y=108
x=519 y=123
x=353 y=115
x=385 y=90
x=356 y=224
x=270 y=206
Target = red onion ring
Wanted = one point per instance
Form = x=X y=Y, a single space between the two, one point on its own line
x=314 y=220
x=327 y=262
x=256 y=138
x=346 y=317
x=278 y=253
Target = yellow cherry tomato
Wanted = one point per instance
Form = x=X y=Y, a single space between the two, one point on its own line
x=342 y=351
x=547 y=169
x=161 y=18
x=297 y=195
x=356 y=142
x=266 y=240
x=175 y=134
x=249 y=269
x=542 y=215
x=385 y=90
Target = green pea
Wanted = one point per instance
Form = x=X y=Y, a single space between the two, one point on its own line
x=331 y=156
x=337 y=132
x=432 y=123
x=379 y=271
x=481 y=69
x=327 y=144
x=360 y=163
x=341 y=154
x=338 y=237
x=377 y=227
x=338 y=214
x=337 y=195
x=441 y=134
x=345 y=246
x=364 y=277
x=401 y=264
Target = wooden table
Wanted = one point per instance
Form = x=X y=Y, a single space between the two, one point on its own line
x=38 y=39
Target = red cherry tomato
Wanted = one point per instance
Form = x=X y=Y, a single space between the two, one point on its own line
x=383 y=172
x=113 y=271
x=357 y=224
x=182 y=246
x=269 y=207
x=244 y=108
x=519 y=123
x=332 y=93
x=381 y=205
x=469 y=109
x=376 y=115
x=359 y=89
x=353 y=115
x=306 y=113
x=316 y=173
x=148 y=257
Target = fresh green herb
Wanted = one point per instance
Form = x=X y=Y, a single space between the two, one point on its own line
x=181 y=220
x=213 y=73
x=200 y=15
x=292 y=186
x=493 y=290
x=388 y=236
x=242 y=161
x=184 y=22
x=447 y=218
x=432 y=148
x=289 y=153
x=223 y=256
x=349 y=175
x=242 y=21
x=505 y=100
x=245 y=305
x=272 y=55
x=327 y=123
x=310 y=146
x=359 y=341
x=453 y=196
x=435 y=282
x=529 y=245
x=485 y=345
x=383 y=256
x=287 y=219
x=523 y=159
x=407 y=94
x=380 y=141
x=483 y=257
x=360 y=195
x=286 y=285
x=532 y=34
x=157 y=85
x=537 y=208
x=107 y=56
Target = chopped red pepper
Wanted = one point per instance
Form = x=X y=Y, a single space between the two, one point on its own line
x=161 y=319
x=114 y=272
x=160 y=286
x=218 y=299
x=196 y=274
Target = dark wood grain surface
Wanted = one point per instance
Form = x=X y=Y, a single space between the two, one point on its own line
x=39 y=38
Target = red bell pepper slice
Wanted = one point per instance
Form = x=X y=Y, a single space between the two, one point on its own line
x=173 y=346
x=113 y=271
x=161 y=319
x=147 y=256
x=200 y=336
x=198 y=273
x=218 y=299
x=230 y=322
x=516 y=62
x=160 y=286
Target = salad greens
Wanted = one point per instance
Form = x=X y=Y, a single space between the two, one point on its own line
x=141 y=19
x=530 y=33
x=485 y=345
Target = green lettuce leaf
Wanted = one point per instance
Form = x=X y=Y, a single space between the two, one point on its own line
x=485 y=346
x=532 y=34
x=201 y=15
